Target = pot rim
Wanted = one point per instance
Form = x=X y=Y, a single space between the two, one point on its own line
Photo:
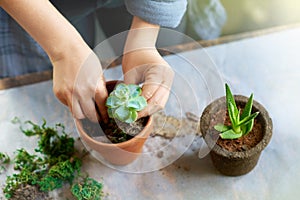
x=266 y=121
x=141 y=135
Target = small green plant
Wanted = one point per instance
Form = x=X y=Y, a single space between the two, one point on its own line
x=241 y=124
x=4 y=160
x=124 y=102
x=24 y=160
x=55 y=164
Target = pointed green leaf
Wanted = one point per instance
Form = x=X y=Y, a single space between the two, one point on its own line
x=237 y=117
x=232 y=114
x=230 y=134
x=230 y=100
x=248 y=119
x=247 y=127
x=248 y=108
x=221 y=128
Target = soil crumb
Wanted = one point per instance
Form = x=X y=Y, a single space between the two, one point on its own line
x=170 y=127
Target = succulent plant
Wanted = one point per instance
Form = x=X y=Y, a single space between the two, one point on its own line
x=241 y=124
x=125 y=101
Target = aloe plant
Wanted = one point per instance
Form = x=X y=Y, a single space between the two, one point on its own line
x=241 y=124
x=125 y=101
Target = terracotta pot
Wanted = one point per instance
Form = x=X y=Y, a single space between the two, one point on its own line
x=235 y=163
x=121 y=153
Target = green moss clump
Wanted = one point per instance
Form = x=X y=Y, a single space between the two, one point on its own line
x=87 y=189
x=4 y=160
x=54 y=164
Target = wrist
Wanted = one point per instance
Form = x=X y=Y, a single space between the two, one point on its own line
x=142 y=35
x=73 y=47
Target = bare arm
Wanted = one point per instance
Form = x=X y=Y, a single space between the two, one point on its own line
x=68 y=53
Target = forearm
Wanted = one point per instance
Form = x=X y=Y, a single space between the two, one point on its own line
x=141 y=35
x=46 y=25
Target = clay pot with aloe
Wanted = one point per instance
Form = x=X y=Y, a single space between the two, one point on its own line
x=236 y=129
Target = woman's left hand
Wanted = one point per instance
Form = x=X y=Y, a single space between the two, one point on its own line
x=148 y=67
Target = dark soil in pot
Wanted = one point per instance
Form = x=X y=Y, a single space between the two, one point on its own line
x=114 y=131
x=238 y=156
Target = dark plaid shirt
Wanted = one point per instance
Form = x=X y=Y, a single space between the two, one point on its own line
x=20 y=54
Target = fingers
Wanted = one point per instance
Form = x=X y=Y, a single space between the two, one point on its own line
x=76 y=110
x=86 y=102
x=157 y=74
x=157 y=102
x=83 y=107
x=156 y=89
x=92 y=104
x=149 y=90
x=89 y=110
x=84 y=110
x=100 y=98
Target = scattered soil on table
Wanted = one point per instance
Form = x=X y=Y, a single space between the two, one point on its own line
x=116 y=131
x=241 y=144
x=170 y=127
x=160 y=154
x=30 y=192
x=164 y=126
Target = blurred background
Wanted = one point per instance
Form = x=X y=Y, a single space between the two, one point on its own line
x=250 y=15
x=211 y=19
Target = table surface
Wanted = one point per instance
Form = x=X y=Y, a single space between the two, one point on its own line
x=267 y=65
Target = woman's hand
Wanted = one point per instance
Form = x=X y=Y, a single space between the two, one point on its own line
x=78 y=83
x=77 y=74
x=143 y=64
x=148 y=67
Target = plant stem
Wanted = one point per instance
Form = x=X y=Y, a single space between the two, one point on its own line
x=236 y=129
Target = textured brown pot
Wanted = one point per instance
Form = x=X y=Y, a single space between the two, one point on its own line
x=235 y=163
x=121 y=153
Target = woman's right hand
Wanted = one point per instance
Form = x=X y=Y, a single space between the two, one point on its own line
x=79 y=84
x=77 y=75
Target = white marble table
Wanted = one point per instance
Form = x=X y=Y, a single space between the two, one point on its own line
x=268 y=66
